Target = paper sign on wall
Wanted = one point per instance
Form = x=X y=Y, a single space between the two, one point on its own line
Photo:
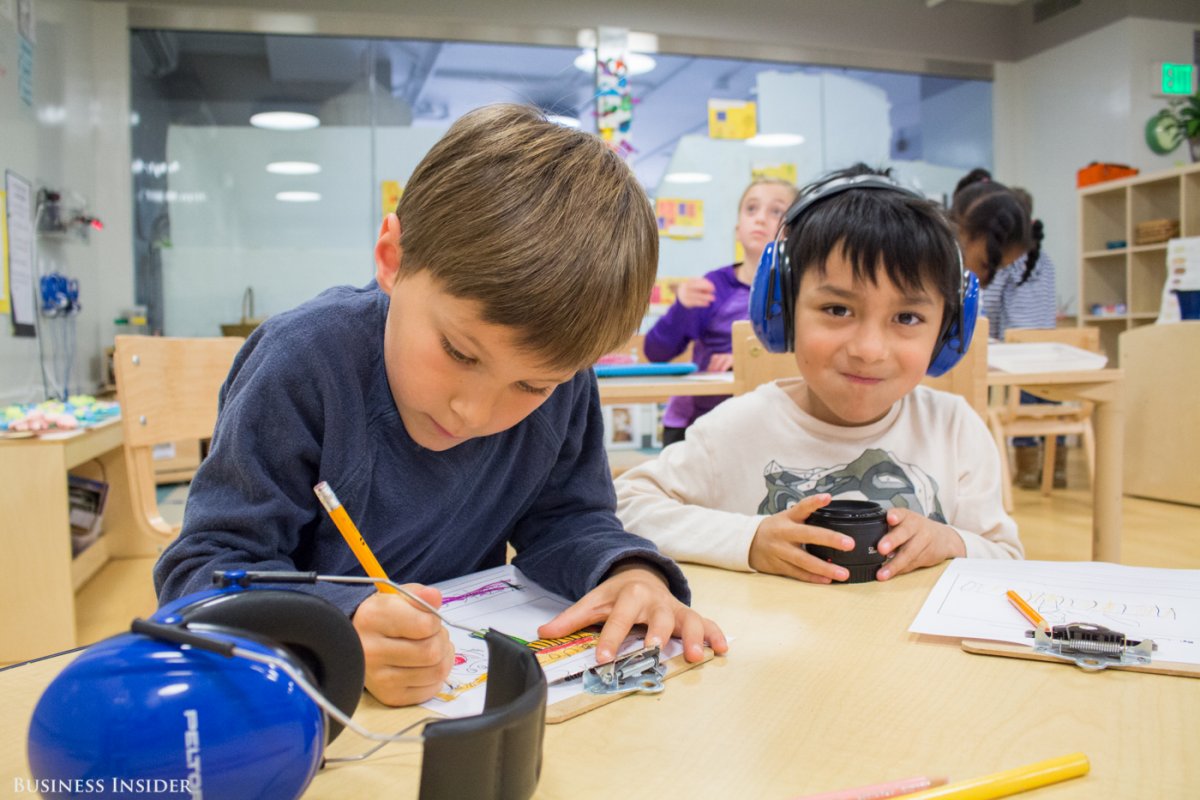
x=732 y=119
x=783 y=172
x=390 y=192
x=679 y=218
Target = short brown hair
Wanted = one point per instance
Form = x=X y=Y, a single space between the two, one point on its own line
x=544 y=226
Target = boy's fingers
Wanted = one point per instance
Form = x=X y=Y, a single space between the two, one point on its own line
x=578 y=616
x=801 y=510
x=624 y=615
x=659 y=627
x=714 y=636
x=691 y=630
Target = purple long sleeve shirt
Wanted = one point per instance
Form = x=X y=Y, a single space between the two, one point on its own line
x=709 y=328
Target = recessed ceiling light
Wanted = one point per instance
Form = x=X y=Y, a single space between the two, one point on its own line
x=293 y=168
x=565 y=121
x=688 y=177
x=284 y=120
x=298 y=197
x=635 y=63
x=775 y=140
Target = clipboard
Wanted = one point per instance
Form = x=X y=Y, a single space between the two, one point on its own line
x=1009 y=650
x=572 y=707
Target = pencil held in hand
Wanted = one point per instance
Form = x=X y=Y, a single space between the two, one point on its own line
x=349 y=531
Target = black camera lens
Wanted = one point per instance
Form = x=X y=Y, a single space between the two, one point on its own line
x=864 y=522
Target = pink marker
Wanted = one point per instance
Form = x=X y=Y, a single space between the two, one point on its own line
x=879 y=791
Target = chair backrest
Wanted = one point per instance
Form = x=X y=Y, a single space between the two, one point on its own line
x=1085 y=338
x=969 y=376
x=167 y=389
x=753 y=365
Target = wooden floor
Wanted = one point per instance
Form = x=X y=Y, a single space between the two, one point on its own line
x=1058 y=527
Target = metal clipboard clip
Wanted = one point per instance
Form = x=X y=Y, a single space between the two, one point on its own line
x=639 y=671
x=1091 y=647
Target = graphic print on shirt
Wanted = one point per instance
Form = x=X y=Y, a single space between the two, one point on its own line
x=877 y=475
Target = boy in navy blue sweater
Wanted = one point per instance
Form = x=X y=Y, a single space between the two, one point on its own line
x=451 y=407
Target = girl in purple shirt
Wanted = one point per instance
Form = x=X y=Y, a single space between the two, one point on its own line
x=706 y=308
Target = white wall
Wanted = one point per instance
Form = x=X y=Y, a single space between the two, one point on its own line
x=74 y=137
x=1083 y=101
x=231 y=233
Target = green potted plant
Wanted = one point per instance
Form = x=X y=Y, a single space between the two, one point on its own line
x=1178 y=122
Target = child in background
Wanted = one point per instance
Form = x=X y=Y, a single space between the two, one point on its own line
x=1022 y=295
x=877 y=281
x=451 y=406
x=992 y=225
x=706 y=308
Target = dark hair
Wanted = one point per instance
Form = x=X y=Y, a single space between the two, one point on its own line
x=544 y=226
x=1036 y=234
x=977 y=175
x=908 y=234
x=991 y=210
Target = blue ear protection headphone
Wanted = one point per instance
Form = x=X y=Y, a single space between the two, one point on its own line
x=234 y=693
x=773 y=293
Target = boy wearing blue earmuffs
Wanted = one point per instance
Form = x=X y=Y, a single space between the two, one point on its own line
x=452 y=407
x=866 y=284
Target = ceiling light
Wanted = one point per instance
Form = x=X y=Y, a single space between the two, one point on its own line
x=284 y=120
x=293 y=168
x=688 y=177
x=298 y=197
x=635 y=63
x=775 y=140
x=566 y=122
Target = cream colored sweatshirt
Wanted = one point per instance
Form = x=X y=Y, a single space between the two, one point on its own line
x=703 y=498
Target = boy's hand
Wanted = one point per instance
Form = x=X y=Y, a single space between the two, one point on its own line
x=636 y=593
x=916 y=541
x=407 y=649
x=778 y=544
x=696 y=293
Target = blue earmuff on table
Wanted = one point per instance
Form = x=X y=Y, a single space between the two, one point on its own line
x=234 y=693
x=773 y=293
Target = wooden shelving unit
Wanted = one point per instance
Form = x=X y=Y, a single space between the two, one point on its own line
x=1131 y=275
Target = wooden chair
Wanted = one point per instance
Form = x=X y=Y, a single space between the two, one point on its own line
x=753 y=365
x=1010 y=418
x=167 y=388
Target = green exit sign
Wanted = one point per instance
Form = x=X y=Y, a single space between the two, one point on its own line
x=1175 y=80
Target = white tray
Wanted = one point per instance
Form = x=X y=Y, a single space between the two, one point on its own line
x=1042 y=357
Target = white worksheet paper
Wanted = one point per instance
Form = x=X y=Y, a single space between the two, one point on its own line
x=504 y=599
x=969 y=602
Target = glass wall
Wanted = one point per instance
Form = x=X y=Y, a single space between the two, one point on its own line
x=227 y=211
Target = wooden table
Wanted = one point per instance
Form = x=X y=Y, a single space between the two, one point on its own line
x=823 y=688
x=1104 y=387
x=659 y=389
x=37 y=595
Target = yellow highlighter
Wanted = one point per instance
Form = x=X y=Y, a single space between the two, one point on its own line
x=1009 y=782
x=349 y=531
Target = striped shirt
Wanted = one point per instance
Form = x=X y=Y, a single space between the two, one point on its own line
x=1033 y=304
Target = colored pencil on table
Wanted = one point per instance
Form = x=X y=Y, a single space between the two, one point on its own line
x=1027 y=610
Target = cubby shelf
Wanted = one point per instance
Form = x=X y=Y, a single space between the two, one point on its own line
x=1129 y=274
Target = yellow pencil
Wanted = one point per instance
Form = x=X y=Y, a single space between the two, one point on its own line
x=1003 y=784
x=1027 y=610
x=349 y=531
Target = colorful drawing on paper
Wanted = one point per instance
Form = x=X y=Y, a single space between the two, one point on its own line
x=504 y=600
